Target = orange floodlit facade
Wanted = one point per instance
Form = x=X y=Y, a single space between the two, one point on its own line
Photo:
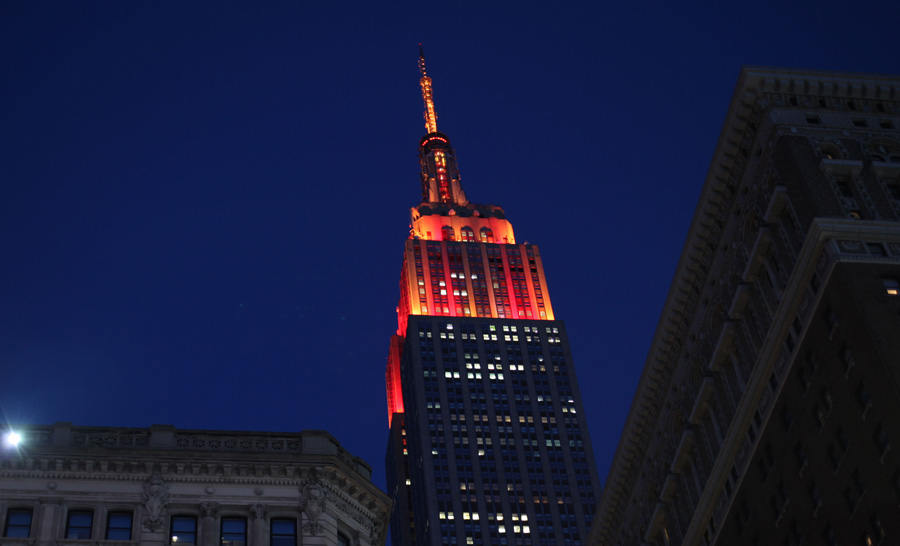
x=461 y=259
x=488 y=442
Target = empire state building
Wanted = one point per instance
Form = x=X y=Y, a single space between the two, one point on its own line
x=489 y=443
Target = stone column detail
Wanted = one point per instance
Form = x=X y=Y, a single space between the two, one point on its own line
x=209 y=527
x=259 y=518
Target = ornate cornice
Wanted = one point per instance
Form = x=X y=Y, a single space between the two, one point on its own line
x=695 y=264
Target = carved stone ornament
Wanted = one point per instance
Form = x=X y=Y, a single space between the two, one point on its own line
x=209 y=509
x=259 y=511
x=155 y=498
x=312 y=500
x=313 y=528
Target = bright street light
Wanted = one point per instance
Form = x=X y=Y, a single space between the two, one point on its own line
x=12 y=439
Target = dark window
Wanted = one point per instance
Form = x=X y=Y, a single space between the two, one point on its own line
x=18 y=523
x=284 y=532
x=894 y=189
x=183 y=530
x=343 y=540
x=844 y=187
x=79 y=524
x=234 y=531
x=118 y=526
x=876 y=249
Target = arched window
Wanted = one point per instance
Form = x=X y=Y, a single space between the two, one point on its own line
x=487 y=235
x=884 y=151
x=830 y=151
x=447 y=234
x=467 y=234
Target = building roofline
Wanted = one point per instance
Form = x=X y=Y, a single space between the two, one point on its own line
x=753 y=82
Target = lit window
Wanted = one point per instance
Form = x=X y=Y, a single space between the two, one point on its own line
x=79 y=523
x=18 y=523
x=118 y=526
x=284 y=532
x=892 y=285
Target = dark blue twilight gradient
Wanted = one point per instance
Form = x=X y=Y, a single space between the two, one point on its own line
x=203 y=204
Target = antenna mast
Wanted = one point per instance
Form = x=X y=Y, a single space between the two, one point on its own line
x=425 y=83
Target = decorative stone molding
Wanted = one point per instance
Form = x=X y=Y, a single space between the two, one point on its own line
x=155 y=498
x=209 y=510
x=313 y=528
x=312 y=500
x=259 y=511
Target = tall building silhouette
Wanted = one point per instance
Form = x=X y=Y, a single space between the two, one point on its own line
x=489 y=443
x=768 y=405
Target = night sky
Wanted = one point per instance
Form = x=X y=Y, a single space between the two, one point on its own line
x=203 y=204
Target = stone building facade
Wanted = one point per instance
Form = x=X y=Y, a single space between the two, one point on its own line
x=68 y=485
x=767 y=408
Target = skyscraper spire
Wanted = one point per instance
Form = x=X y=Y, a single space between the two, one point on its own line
x=425 y=82
x=440 y=175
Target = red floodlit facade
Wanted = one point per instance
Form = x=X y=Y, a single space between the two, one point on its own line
x=461 y=259
x=488 y=439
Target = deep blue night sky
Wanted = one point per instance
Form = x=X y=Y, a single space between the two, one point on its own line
x=203 y=204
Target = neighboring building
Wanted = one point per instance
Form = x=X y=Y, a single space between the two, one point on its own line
x=489 y=444
x=768 y=405
x=65 y=485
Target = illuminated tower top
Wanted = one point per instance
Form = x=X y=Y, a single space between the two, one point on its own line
x=444 y=219
x=440 y=174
